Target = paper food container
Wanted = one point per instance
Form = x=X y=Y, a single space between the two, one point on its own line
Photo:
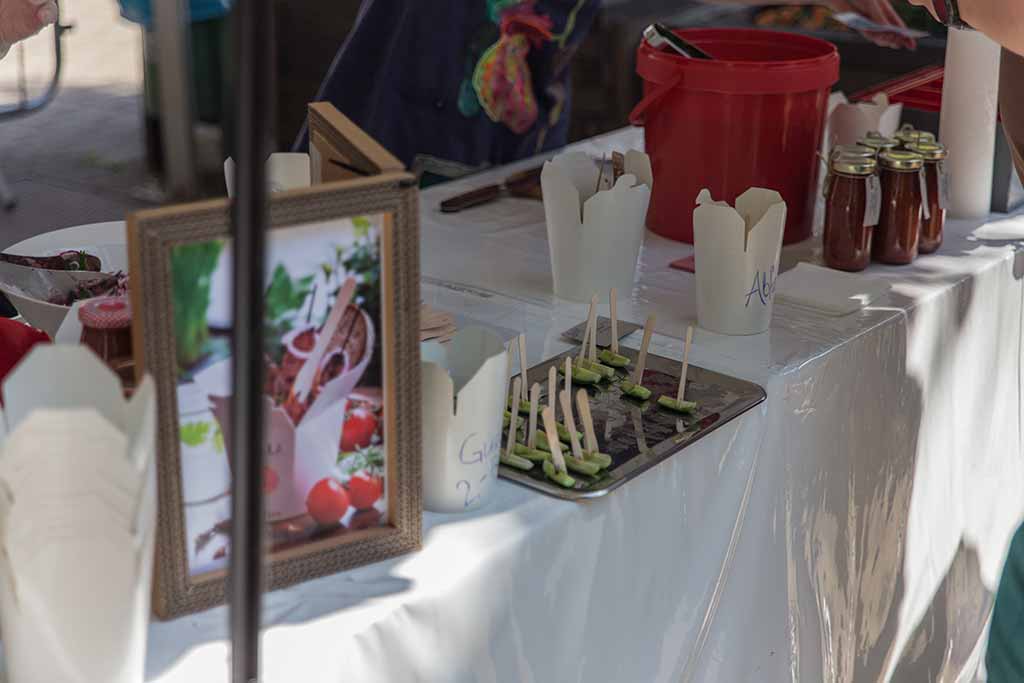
x=285 y=171
x=301 y=454
x=75 y=581
x=594 y=236
x=737 y=255
x=463 y=394
x=848 y=123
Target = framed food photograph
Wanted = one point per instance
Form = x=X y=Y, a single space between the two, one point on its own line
x=341 y=447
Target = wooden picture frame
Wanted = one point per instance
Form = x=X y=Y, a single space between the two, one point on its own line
x=183 y=583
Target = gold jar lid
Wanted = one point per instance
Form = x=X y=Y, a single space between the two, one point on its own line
x=853 y=151
x=912 y=137
x=898 y=160
x=854 y=165
x=931 y=151
x=878 y=141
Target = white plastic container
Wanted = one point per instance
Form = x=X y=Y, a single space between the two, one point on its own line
x=737 y=260
x=464 y=386
x=594 y=236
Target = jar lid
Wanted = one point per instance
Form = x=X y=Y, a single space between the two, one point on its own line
x=878 y=141
x=854 y=165
x=853 y=151
x=106 y=313
x=909 y=137
x=931 y=151
x=901 y=161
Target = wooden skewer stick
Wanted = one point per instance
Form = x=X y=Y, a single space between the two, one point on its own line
x=524 y=367
x=585 y=344
x=570 y=424
x=641 y=361
x=551 y=430
x=600 y=174
x=512 y=431
x=568 y=380
x=588 y=336
x=686 y=363
x=613 y=295
x=592 y=354
x=552 y=386
x=583 y=406
x=531 y=436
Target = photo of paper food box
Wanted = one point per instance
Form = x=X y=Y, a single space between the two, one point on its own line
x=323 y=448
x=737 y=256
x=595 y=221
x=77 y=519
x=464 y=386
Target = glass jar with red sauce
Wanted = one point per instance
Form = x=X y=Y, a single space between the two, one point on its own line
x=850 y=213
x=107 y=330
x=907 y=136
x=899 y=224
x=931 y=228
x=878 y=142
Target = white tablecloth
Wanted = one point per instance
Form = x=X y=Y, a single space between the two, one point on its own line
x=851 y=529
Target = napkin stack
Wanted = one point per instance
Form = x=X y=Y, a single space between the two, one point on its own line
x=436 y=325
x=77 y=520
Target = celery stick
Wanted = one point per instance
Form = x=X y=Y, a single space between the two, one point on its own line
x=563 y=433
x=678 y=406
x=635 y=390
x=534 y=454
x=508 y=420
x=615 y=360
x=582 y=466
x=582 y=376
x=594 y=366
x=602 y=459
x=560 y=478
x=515 y=461
x=542 y=442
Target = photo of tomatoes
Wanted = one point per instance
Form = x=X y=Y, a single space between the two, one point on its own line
x=358 y=430
x=327 y=502
x=364 y=489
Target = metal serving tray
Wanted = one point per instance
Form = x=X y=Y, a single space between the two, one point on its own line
x=638 y=435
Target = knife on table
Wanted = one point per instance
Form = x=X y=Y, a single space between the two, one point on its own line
x=522 y=184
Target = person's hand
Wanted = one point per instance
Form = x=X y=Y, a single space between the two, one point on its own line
x=880 y=12
x=20 y=19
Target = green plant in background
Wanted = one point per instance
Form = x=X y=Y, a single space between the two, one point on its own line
x=363 y=261
x=192 y=267
x=285 y=297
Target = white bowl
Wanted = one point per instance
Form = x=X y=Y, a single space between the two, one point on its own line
x=106 y=240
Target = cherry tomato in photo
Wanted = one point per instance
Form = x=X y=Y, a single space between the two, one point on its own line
x=358 y=431
x=327 y=502
x=364 y=490
x=270 y=480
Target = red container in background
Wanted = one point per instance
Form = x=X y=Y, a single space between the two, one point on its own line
x=752 y=117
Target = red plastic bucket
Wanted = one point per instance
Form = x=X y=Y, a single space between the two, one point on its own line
x=752 y=117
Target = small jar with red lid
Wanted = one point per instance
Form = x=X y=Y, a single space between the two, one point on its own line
x=852 y=201
x=934 y=156
x=899 y=224
x=107 y=330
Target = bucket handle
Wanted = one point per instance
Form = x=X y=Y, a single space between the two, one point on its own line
x=636 y=117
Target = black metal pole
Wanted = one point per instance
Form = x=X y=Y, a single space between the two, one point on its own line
x=254 y=74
